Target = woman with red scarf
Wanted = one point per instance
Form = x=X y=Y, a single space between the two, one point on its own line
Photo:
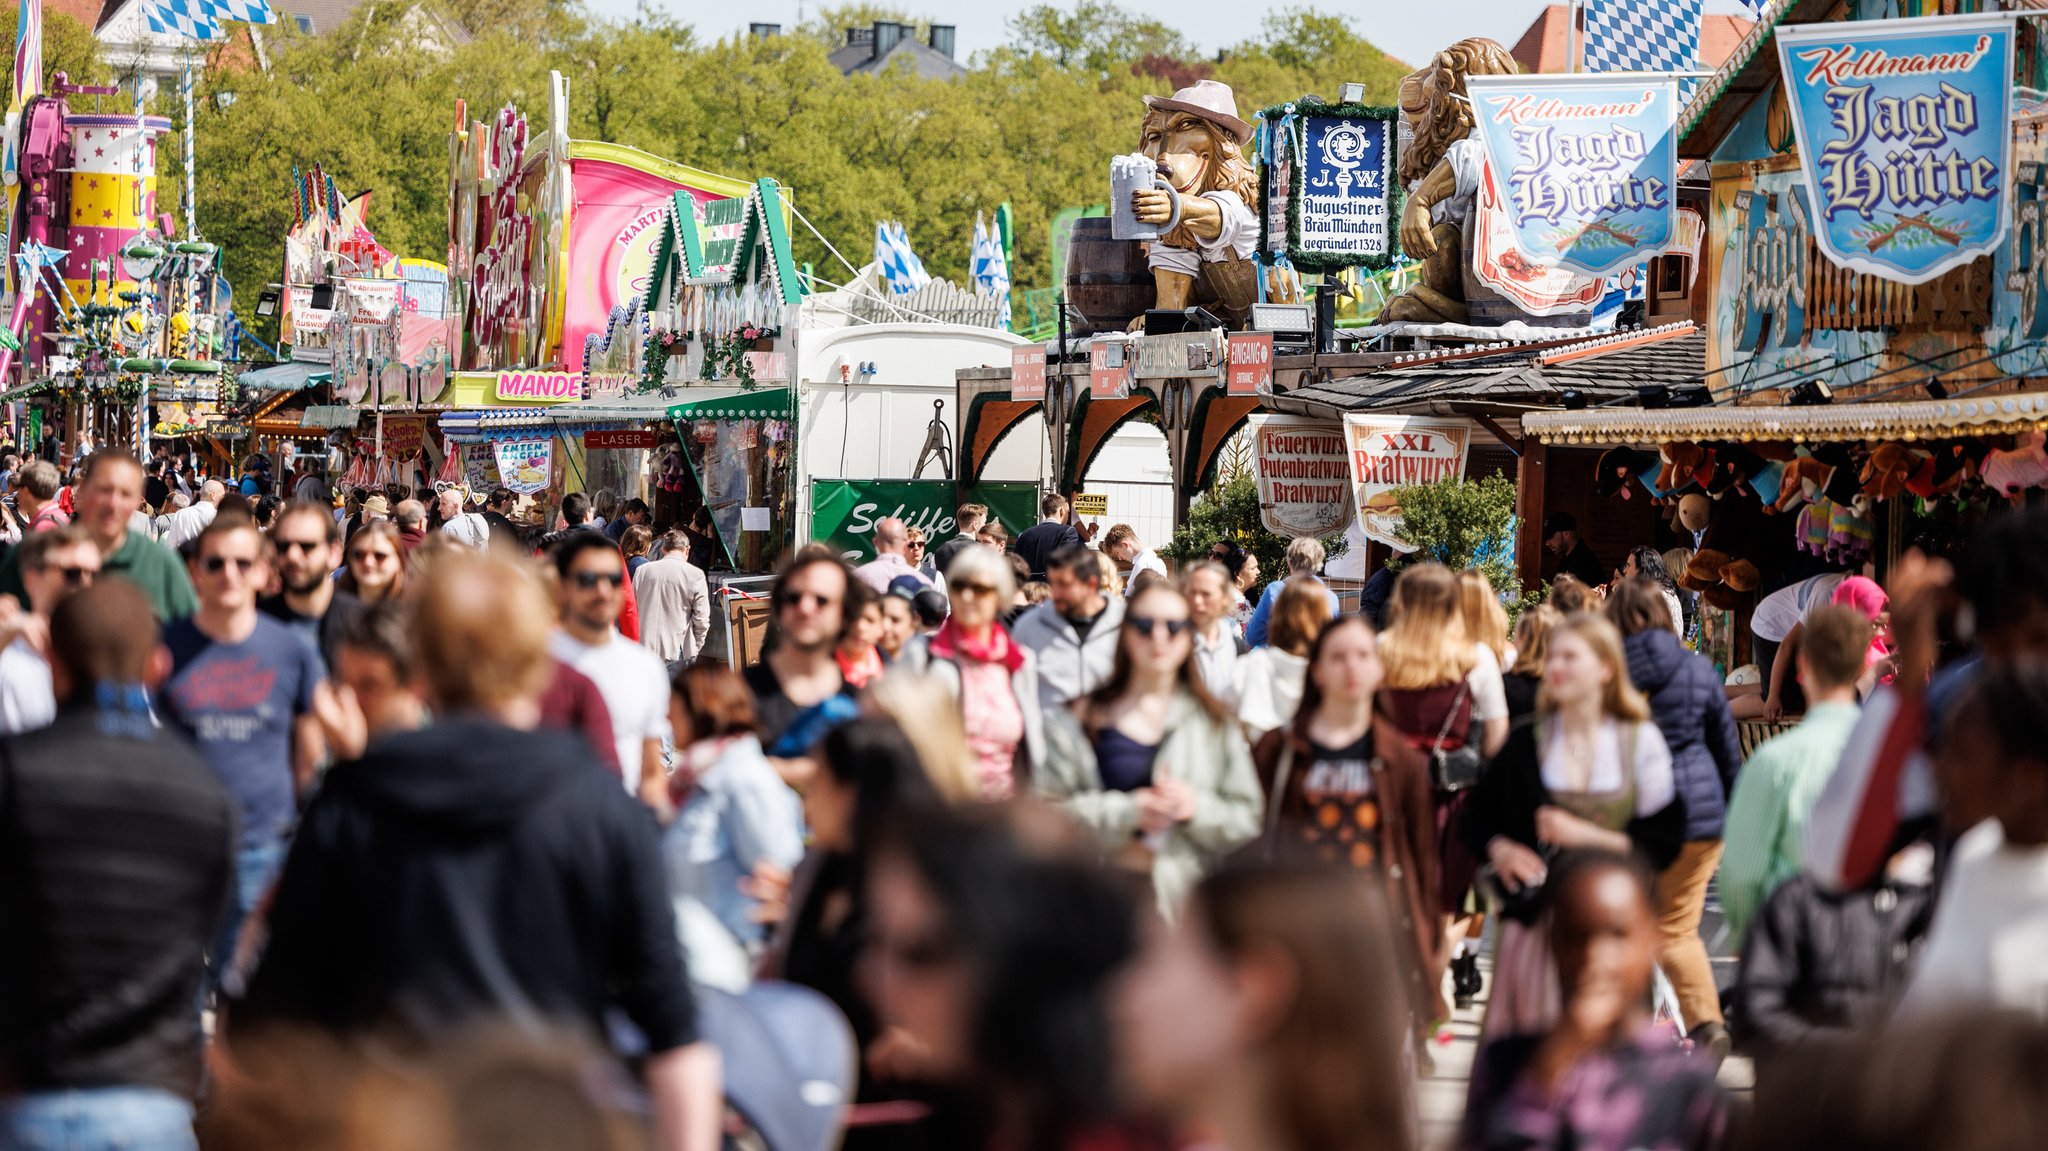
x=993 y=677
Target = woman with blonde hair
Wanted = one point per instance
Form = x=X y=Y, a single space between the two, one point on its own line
x=929 y=714
x=1270 y=678
x=1522 y=681
x=1591 y=772
x=1486 y=622
x=1443 y=694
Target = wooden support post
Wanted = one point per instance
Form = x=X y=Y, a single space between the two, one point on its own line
x=1530 y=473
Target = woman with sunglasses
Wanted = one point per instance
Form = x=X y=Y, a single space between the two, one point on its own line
x=376 y=564
x=993 y=678
x=1150 y=761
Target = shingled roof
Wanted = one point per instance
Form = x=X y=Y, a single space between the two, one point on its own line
x=1602 y=369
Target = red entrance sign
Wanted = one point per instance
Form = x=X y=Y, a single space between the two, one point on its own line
x=1109 y=369
x=1027 y=372
x=1251 y=364
x=622 y=439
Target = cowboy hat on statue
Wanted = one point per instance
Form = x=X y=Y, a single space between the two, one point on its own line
x=1197 y=140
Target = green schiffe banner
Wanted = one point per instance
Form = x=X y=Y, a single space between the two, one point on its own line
x=844 y=512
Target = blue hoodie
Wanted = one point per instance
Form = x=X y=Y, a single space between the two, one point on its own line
x=1690 y=707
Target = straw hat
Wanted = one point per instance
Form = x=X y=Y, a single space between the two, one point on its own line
x=377 y=506
x=1212 y=101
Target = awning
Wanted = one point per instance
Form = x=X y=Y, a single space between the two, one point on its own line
x=734 y=404
x=1813 y=424
x=329 y=416
x=641 y=407
x=290 y=376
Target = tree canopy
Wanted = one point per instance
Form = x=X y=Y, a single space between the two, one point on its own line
x=1033 y=122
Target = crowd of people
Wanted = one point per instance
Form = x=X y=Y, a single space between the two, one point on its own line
x=352 y=825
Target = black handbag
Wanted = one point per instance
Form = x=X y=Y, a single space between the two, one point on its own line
x=1461 y=767
x=1522 y=904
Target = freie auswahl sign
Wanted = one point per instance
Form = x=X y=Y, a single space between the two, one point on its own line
x=1904 y=130
x=1588 y=165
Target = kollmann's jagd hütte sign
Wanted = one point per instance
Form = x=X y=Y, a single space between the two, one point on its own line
x=1304 y=476
x=1389 y=452
x=1587 y=166
x=1904 y=131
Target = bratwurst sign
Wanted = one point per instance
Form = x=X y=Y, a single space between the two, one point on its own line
x=1389 y=452
x=1904 y=130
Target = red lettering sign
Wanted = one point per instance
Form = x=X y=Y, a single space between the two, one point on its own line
x=1027 y=372
x=1251 y=364
x=1109 y=370
x=622 y=439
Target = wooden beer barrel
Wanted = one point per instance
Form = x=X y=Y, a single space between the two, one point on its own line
x=1108 y=284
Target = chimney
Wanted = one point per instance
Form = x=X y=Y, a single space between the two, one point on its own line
x=887 y=33
x=763 y=31
x=942 y=40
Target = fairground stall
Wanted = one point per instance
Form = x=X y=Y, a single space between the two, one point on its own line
x=1874 y=353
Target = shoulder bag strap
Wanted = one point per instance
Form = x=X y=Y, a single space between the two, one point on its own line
x=1451 y=717
x=1281 y=772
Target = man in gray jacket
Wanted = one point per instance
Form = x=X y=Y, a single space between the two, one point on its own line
x=1073 y=634
x=675 y=604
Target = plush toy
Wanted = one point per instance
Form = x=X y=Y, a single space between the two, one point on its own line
x=1693 y=513
x=1802 y=481
x=1685 y=466
x=1721 y=597
x=1741 y=575
x=1890 y=465
x=1611 y=475
x=2025 y=466
x=1706 y=566
x=672 y=470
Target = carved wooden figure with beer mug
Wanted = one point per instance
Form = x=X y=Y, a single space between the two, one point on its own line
x=1193 y=202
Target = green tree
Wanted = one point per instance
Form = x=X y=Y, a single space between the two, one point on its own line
x=1229 y=511
x=1465 y=524
x=68 y=47
x=1094 y=35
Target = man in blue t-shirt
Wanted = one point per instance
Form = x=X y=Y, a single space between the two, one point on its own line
x=242 y=686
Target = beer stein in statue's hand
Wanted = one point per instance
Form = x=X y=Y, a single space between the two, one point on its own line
x=1142 y=202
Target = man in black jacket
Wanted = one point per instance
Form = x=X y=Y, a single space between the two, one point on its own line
x=479 y=869
x=115 y=867
x=1052 y=533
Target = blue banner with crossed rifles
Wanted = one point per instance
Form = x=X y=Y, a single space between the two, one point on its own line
x=1904 y=131
x=1589 y=165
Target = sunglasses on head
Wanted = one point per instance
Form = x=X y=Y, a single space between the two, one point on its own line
x=1147 y=625
x=589 y=580
x=215 y=565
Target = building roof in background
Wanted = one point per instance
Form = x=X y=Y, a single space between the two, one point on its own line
x=858 y=54
x=1544 y=47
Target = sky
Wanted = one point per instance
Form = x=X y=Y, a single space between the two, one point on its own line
x=1210 y=23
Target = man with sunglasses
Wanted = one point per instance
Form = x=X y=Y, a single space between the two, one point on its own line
x=589 y=594
x=54 y=564
x=308 y=542
x=798 y=674
x=243 y=688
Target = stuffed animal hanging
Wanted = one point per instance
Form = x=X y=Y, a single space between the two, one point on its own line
x=1889 y=467
x=2025 y=466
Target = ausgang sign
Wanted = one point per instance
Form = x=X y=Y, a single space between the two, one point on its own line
x=525 y=387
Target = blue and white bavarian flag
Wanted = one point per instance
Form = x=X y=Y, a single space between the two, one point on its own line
x=203 y=19
x=1644 y=36
x=989 y=269
x=899 y=266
